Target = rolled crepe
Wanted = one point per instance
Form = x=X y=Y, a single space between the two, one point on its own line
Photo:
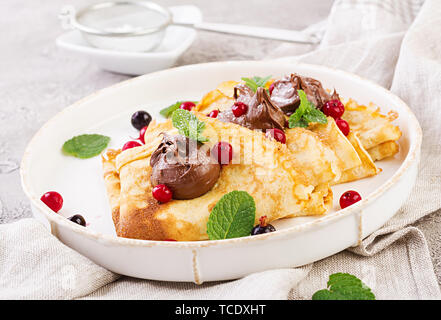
x=270 y=172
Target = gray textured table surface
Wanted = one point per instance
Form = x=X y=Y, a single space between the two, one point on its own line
x=37 y=79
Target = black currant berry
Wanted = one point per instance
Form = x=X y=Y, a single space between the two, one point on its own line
x=141 y=119
x=78 y=219
x=263 y=227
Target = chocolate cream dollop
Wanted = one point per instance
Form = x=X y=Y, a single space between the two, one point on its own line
x=184 y=166
x=285 y=96
x=261 y=113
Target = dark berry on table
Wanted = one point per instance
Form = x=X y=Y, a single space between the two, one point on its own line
x=333 y=108
x=343 y=126
x=130 y=144
x=276 y=134
x=142 y=133
x=78 y=219
x=141 y=119
x=239 y=108
x=213 y=114
x=349 y=198
x=263 y=227
x=187 y=105
x=53 y=200
x=162 y=193
x=222 y=152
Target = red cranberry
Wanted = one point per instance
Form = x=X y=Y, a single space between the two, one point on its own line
x=53 y=200
x=271 y=88
x=333 y=108
x=276 y=134
x=349 y=198
x=239 y=108
x=222 y=152
x=343 y=126
x=213 y=114
x=142 y=133
x=162 y=193
x=130 y=144
x=187 y=105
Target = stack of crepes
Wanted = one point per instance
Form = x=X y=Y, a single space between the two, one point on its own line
x=285 y=180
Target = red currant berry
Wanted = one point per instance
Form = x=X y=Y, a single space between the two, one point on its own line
x=333 y=108
x=276 y=134
x=239 y=108
x=349 y=198
x=222 y=152
x=142 y=133
x=162 y=193
x=213 y=114
x=53 y=200
x=130 y=144
x=343 y=126
x=271 y=88
x=187 y=105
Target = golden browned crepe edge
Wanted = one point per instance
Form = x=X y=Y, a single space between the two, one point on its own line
x=383 y=150
x=367 y=168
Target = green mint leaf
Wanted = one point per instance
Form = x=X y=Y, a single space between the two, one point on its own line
x=167 y=112
x=188 y=125
x=306 y=113
x=256 y=82
x=232 y=217
x=344 y=286
x=86 y=145
x=315 y=115
x=296 y=120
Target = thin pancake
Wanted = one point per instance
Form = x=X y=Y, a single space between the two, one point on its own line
x=219 y=99
x=383 y=150
x=367 y=167
x=372 y=128
x=274 y=178
x=332 y=136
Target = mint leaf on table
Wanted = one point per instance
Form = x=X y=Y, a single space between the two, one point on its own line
x=306 y=113
x=344 y=286
x=232 y=217
x=86 y=145
x=188 y=125
x=167 y=112
x=256 y=82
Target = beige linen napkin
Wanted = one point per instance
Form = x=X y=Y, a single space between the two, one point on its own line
x=394 y=43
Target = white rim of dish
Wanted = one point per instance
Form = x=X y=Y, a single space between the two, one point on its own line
x=411 y=157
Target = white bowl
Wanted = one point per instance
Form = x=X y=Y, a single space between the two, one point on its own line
x=176 y=41
x=296 y=242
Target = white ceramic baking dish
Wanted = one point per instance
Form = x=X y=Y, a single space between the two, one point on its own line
x=296 y=242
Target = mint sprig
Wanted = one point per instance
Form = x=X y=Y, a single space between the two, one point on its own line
x=168 y=111
x=344 y=286
x=256 y=82
x=306 y=113
x=232 y=217
x=86 y=145
x=189 y=125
